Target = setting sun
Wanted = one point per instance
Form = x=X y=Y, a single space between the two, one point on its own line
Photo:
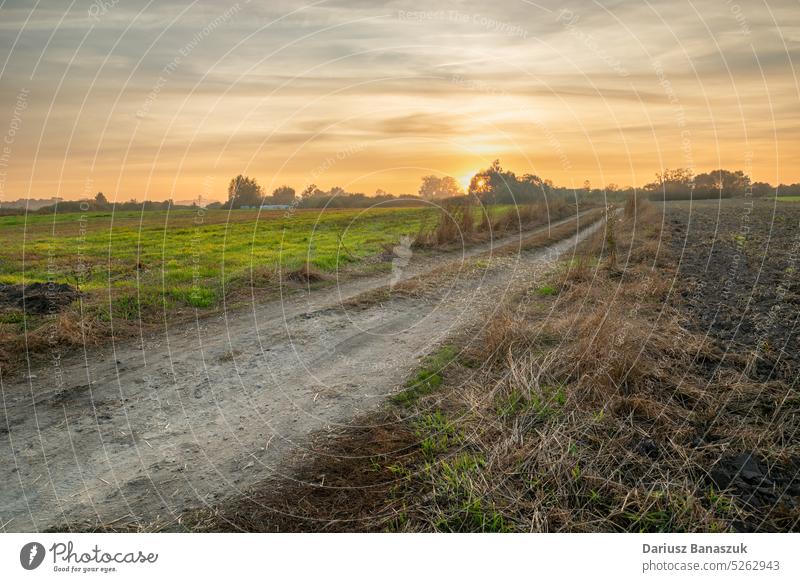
x=466 y=179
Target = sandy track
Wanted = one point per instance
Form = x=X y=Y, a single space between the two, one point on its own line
x=141 y=431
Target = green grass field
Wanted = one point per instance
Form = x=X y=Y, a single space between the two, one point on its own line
x=133 y=264
x=788 y=198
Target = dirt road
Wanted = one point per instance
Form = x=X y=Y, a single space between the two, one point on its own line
x=141 y=431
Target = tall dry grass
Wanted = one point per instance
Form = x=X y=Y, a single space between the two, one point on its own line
x=588 y=418
x=466 y=222
x=455 y=223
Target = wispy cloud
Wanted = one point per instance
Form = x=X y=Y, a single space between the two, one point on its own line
x=140 y=96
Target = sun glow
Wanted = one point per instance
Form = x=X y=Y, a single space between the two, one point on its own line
x=466 y=179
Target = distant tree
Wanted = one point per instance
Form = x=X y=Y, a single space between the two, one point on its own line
x=675 y=184
x=762 y=189
x=532 y=179
x=433 y=187
x=311 y=190
x=449 y=187
x=495 y=184
x=283 y=195
x=430 y=186
x=729 y=183
x=100 y=199
x=214 y=206
x=681 y=184
x=788 y=190
x=337 y=191
x=244 y=191
x=682 y=176
x=531 y=187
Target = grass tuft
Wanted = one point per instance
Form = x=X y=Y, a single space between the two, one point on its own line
x=428 y=378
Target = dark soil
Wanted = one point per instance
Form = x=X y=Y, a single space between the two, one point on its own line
x=37 y=298
x=738 y=275
x=758 y=484
x=738 y=268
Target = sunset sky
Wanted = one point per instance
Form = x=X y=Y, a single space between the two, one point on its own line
x=151 y=100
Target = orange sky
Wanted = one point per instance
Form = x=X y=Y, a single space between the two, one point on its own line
x=172 y=99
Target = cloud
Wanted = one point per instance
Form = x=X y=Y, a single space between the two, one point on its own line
x=120 y=88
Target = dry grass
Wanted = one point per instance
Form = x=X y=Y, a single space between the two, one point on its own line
x=69 y=329
x=307 y=274
x=601 y=415
x=460 y=223
x=434 y=279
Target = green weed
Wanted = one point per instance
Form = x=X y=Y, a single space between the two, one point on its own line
x=546 y=290
x=428 y=378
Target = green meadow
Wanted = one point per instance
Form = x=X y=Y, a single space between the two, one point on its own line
x=135 y=264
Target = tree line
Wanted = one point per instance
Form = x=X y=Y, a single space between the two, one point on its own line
x=495 y=184
x=246 y=192
x=492 y=185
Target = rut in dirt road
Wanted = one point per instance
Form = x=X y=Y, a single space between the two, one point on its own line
x=141 y=432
